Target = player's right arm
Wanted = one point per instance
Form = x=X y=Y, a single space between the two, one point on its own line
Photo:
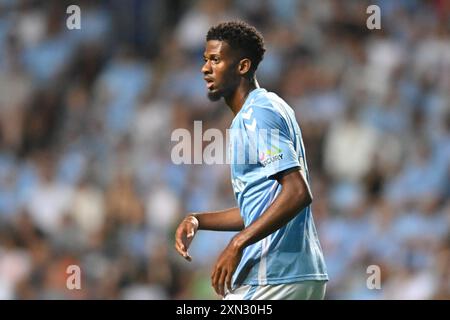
x=224 y=220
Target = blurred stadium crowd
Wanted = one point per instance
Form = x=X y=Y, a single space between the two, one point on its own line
x=86 y=116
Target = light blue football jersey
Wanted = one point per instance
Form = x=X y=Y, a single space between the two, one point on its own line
x=265 y=139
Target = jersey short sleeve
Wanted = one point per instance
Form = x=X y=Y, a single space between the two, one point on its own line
x=273 y=138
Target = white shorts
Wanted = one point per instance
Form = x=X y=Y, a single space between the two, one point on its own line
x=304 y=290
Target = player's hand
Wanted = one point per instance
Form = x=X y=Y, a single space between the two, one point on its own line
x=225 y=267
x=184 y=235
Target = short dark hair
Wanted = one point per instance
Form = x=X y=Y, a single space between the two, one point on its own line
x=240 y=36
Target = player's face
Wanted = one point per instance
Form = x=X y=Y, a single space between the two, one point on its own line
x=220 y=70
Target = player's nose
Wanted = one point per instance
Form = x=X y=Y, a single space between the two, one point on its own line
x=206 y=68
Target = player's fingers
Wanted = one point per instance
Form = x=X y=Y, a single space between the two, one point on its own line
x=189 y=237
x=179 y=239
x=215 y=279
x=185 y=255
x=228 y=281
x=213 y=275
x=182 y=237
x=179 y=244
x=221 y=283
x=179 y=249
x=188 y=257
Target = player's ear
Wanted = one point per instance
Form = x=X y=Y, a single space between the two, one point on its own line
x=244 y=66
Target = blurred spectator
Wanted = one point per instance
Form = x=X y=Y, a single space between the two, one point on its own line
x=350 y=148
x=50 y=200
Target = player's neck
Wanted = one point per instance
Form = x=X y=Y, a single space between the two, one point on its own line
x=237 y=99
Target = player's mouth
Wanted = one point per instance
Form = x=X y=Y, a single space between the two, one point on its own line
x=209 y=83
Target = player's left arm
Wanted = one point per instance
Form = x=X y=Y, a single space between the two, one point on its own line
x=294 y=196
